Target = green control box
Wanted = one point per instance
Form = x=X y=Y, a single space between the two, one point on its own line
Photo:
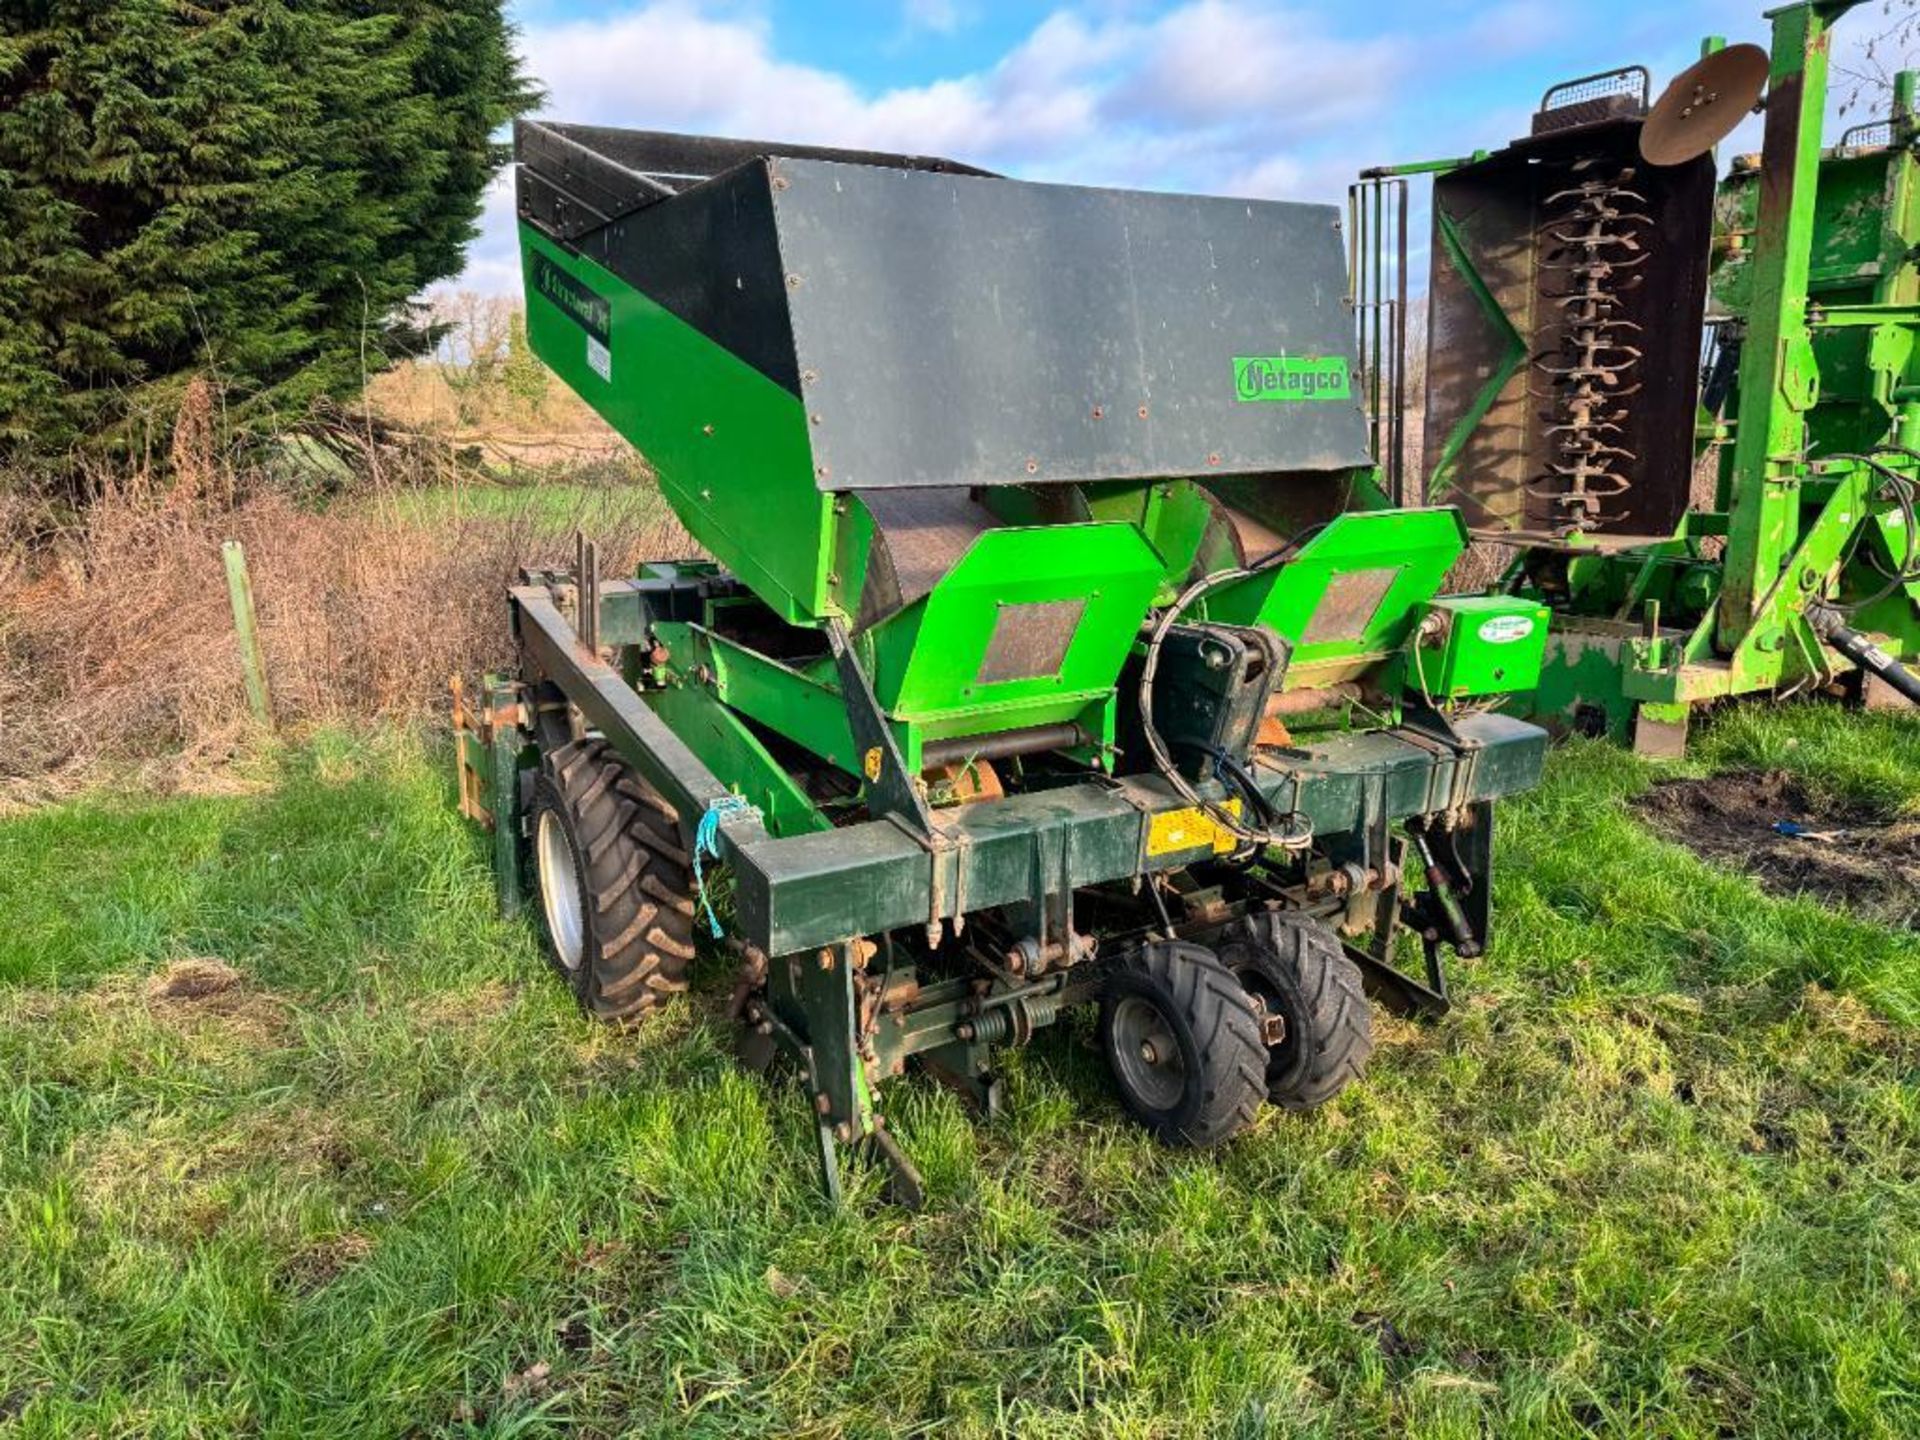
x=1476 y=645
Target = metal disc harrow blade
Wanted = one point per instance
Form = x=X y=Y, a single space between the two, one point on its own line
x=1703 y=104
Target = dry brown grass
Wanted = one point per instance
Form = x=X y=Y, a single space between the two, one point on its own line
x=487 y=398
x=380 y=541
x=117 y=641
x=378 y=567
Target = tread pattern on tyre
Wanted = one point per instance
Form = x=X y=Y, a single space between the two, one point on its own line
x=1192 y=988
x=1305 y=959
x=639 y=892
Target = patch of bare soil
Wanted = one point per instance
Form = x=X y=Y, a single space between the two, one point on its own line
x=193 y=979
x=1769 y=825
x=318 y=1263
x=201 y=994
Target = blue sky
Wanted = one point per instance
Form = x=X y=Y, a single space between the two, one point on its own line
x=1281 y=101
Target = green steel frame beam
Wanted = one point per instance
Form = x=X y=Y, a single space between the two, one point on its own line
x=811 y=890
x=555 y=654
x=807 y=891
x=1778 y=378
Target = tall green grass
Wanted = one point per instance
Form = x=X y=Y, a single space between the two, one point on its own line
x=1659 y=1173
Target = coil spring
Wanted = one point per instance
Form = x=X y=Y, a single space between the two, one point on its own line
x=1014 y=1022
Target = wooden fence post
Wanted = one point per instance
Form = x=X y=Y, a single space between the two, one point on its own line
x=253 y=660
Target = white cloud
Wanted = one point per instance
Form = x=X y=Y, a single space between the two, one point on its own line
x=1206 y=97
x=1261 y=100
x=1212 y=63
x=943 y=17
x=675 y=65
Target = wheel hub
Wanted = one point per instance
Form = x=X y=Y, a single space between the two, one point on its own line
x=560 y=890
x=1147 y=1055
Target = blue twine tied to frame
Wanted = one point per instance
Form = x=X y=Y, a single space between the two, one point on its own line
x=706 y=841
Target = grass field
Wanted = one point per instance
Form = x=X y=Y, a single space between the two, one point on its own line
x=1659 y=1173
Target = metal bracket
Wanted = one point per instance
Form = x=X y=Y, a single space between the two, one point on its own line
x=904 y=1185
x=1401 y=993
x=890 y=789
x=820 y=992
x=488 y=743
x=1393 y=988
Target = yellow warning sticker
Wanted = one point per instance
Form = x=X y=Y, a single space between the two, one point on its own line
x=1194 y=829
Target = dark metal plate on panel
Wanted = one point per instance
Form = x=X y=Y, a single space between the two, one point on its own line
x=1349 y=605
x=710 y=256
x=1030 y=641
x=921 y=536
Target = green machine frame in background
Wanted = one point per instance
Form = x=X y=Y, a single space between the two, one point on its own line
x=1690 y=410
x=1055 y=641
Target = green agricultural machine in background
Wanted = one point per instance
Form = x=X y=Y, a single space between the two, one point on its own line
x=1691 y=409
x=1054 y=643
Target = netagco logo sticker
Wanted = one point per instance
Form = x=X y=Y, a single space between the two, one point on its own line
x=586 y=308
x=1291 y=377
x=1505 y=629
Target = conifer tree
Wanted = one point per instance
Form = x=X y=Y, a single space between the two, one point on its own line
x=244 y=189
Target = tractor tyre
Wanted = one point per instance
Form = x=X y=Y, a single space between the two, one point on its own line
x=1183 y=1044
x=616 y=897
x=1294 y=969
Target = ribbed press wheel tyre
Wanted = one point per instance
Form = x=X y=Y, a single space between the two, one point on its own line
x=1294 y=967
x=615 y=893
x=1183 y=1044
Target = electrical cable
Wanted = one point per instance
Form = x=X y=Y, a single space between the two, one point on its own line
x=1904 y=489
x=1287 y=548
x=1250 y=836
x=1234 y=775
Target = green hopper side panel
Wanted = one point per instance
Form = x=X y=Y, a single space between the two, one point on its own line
x=696 y=411
x=1350 y=596
x=729 y=749
x=1029 y=627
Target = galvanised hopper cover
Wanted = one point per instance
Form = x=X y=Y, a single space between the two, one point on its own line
x=965 y=330
x=946 y=327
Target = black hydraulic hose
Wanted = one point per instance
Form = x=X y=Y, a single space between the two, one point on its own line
x=1720 y=376
x=1290 y=828
x=1832 y=627
x=1237 y=777
x=1252 y=836
x=1901 y=489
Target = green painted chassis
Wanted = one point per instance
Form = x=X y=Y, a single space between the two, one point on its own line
x=851 y=1009
x=1634 y=646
